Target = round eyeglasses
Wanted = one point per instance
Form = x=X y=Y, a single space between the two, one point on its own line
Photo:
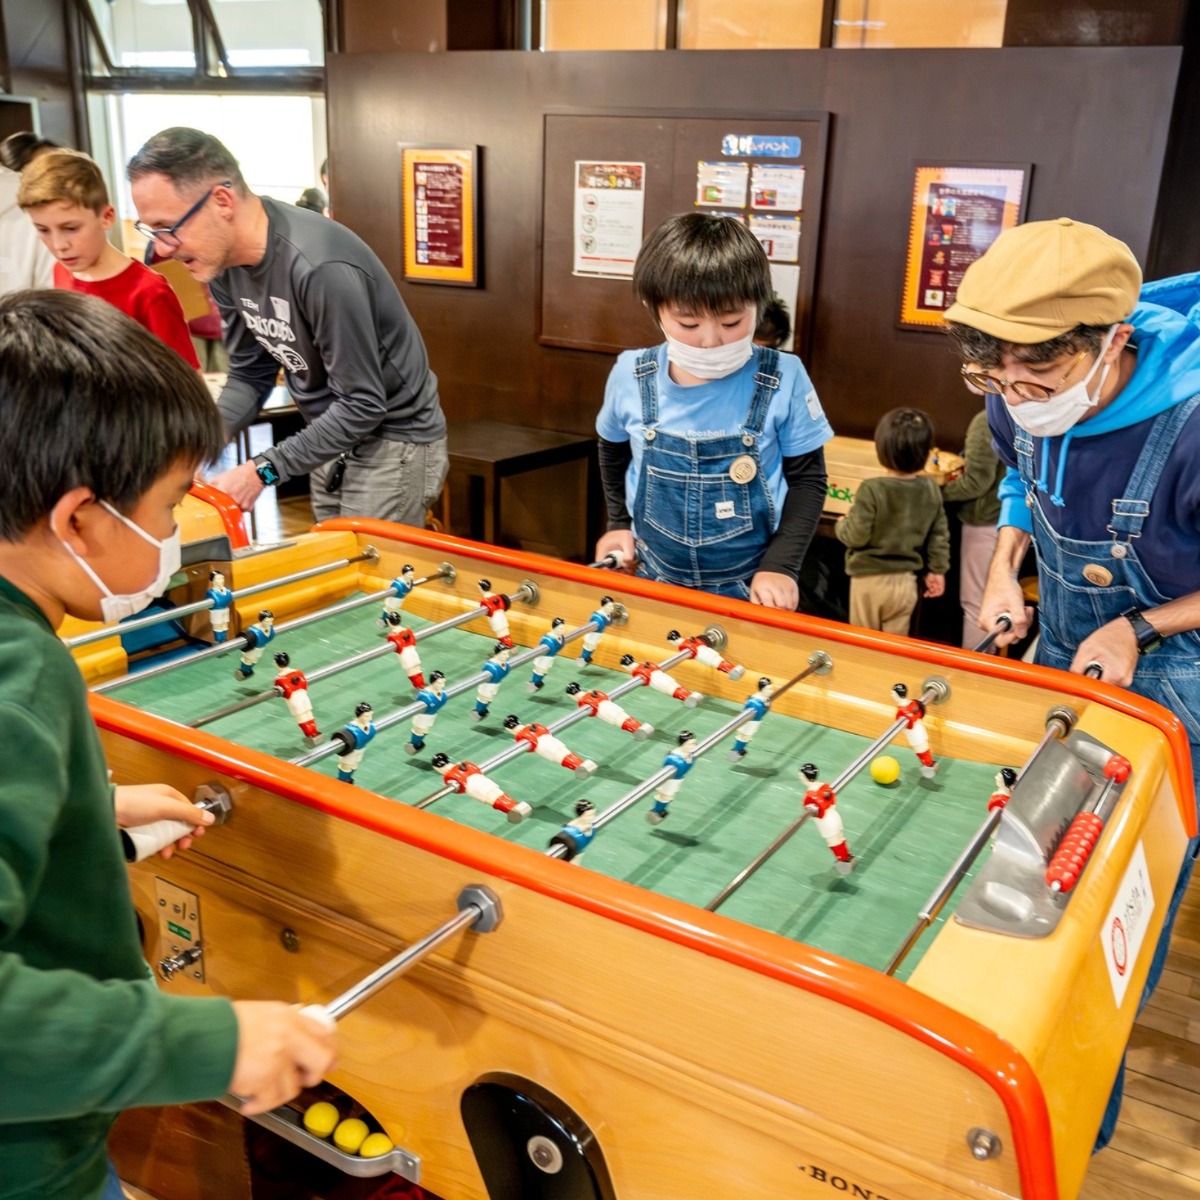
x=169 y=236
x=993 y=385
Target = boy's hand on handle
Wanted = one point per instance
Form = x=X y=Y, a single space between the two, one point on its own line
x=773 y=589
x=620 y=540
x=280 y=1052
x=935 y=585
x=145 y=803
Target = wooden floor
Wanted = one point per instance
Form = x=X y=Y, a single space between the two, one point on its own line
x=1155 y=1154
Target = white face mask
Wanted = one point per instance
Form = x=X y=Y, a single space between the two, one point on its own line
x=710 y=362
x=1054 y=416
x=113 y=607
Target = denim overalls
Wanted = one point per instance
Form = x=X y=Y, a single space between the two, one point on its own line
x=705 y=512
x=1071 y=606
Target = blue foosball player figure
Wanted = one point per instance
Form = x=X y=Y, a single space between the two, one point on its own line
x=434 y=698
x=354 y=737
x=258 y=637
x=496 y=669
x=551 y=643
x=681 y=760
x=758 y=704
x=401 y=586
x=602 y=618
x=222 y=602
x=577 y=835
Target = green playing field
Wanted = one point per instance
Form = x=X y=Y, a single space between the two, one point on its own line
x=905 y=836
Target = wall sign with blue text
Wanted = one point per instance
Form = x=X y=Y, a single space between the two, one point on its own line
x=757 y=145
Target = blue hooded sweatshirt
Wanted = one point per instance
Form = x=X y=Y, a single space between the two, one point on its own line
x=1080 y=473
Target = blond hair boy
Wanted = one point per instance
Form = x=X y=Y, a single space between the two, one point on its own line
x=65 y=197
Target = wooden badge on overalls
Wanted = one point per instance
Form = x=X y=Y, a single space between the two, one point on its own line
x=743 y=469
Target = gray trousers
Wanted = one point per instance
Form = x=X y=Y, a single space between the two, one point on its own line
x=393 y=481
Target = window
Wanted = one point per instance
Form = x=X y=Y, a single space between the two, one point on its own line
x=750 y=24
x=889 y=24
x=279 y=141
x=614 y=25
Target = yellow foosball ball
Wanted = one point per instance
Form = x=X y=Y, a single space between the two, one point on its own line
x=612 y=893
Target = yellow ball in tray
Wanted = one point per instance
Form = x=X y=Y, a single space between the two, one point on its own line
x=321 y=1119
x=350 y=1135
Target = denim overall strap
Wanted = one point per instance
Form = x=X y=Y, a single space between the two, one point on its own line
x=1131 y=510
x=646 y=372
x=766 y=383
x=696 y=524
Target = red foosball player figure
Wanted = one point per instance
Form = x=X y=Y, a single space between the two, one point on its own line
x=701 y=651
x=467 y=777
x=609 y=711
x=540 y=740
x=1006 y=777
x=404 y=642
x=914 y=731
x=497 y=605
x=293 y=687
x=652 y=675
x=822 y=803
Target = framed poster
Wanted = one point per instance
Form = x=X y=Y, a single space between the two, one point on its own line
x=958 y=211
x=440 y=198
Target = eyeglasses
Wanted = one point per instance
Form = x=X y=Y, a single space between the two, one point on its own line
x=169 y=236
x=1025 y=388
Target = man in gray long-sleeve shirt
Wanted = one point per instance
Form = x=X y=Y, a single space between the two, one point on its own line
x=298 y=289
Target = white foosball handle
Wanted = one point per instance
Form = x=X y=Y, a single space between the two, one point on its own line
x=147 y=840
x=320 y=1014
x=142 y=841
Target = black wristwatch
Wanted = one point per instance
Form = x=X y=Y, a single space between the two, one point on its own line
x=266 y=470
x=1148 y=638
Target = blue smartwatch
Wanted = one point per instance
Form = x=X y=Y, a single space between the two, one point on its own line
x=266 y=470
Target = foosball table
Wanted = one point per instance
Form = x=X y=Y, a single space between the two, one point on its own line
x=618 y=891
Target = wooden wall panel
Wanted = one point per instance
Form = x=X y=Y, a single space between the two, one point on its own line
x=1092 y=121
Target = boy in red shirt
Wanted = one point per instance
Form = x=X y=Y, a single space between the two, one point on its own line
x=64 y=194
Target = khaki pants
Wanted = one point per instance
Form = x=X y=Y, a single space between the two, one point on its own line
x=883 y=602
x=978 y=544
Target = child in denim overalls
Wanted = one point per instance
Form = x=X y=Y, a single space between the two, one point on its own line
x=711 y=448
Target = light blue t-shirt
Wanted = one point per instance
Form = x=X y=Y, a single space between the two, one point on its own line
x=795 y=422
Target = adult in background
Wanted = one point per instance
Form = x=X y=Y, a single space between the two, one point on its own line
x=297 y=289
x=1093 y=396
x=24 y=261
x=976 y=502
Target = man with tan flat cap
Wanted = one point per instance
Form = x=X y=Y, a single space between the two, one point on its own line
x=1093 y=399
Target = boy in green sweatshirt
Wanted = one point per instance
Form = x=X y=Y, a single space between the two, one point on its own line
x=101 y=429
x=895 y=528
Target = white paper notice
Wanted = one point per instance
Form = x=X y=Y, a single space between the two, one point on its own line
x=722 y=184
x=780 y=236
x=778 y=188
x=1124 y=929
x=609 y=206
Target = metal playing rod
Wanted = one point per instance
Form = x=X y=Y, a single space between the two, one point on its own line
x=465 y=685
x=818 y=663
x=524 y=592
x=612 y=561
x=1059 y=722
x=335 y=668
x=935 y=689
x=571 y=718
x=370 y=554
x=479 y=908
x=1004 y=623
